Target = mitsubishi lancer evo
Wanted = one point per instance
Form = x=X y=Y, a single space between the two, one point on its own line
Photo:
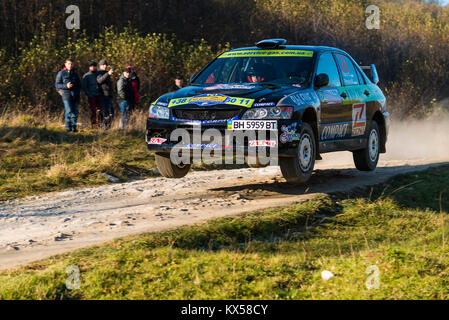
x=316 y=99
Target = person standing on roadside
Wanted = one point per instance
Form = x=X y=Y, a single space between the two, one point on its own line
x=135 y=82
x=68 y=84
x=179 y=84
x=106 y=93
x=90 y=88
x=126 y=96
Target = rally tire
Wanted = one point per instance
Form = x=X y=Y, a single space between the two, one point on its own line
x=366 y=159
x=170 y=170
x=298 y=169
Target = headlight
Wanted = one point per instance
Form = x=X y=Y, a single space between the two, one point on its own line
x=268 y=113
x=158 y=112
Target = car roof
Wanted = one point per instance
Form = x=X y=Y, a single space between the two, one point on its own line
x=294 y=47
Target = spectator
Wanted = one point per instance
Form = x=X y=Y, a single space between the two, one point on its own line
x=90 y=88
x=106 y=93
x=126 y=97
x=135 y=81
x=179 y=84
x=68 y=84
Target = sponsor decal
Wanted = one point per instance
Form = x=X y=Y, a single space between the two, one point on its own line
x=284 y=138
x=335 y=131
x=349 y=76
x=297 y=85
x=358 y=119
x=289 y=133
x=267 y=53
x=262 y=143
x=162 y=104
x=344 y=66
x=302 y=98
x=264 y=104
x=229 y=87
x=198 y=122
x=206 y=146
x=210 y=100
x=157 y=141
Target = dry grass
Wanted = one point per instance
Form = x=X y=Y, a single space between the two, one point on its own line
x=37 y=155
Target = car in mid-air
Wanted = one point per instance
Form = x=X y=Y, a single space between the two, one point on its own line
x=317 y=99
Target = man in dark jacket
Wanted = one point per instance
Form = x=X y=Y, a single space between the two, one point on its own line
x=90 y=88
x=106 y=92
x=68 y=84
x=179 y=84
x=126 y=96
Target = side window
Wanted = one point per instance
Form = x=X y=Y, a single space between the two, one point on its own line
x=347 y=70
x=327 y=65
x=361 y=78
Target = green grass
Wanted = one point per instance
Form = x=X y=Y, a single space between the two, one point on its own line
x=38 y=158
x=272 y=254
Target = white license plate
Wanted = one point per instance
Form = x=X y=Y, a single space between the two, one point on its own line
x=253 y=125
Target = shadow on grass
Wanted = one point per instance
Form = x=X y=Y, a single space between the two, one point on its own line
x=270 y=225
x=424 y=190
x=334 y=180
x=43 y=134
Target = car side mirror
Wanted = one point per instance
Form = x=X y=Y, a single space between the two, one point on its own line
x=321 y=80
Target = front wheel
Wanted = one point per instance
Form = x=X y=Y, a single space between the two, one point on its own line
x=298 y=169
x=170 y=170
x=367 y=158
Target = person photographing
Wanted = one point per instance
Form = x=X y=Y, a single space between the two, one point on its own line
x=126 y=96
x=106 y=92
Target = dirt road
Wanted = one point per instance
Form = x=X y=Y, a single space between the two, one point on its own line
x=41 y=226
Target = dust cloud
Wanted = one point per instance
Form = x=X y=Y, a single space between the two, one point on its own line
x=419 y=139
x=408 y=140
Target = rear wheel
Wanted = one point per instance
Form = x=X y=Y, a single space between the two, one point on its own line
x=299 y=168
x=170 y=170
x=367 y=159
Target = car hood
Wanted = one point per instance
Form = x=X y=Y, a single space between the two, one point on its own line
x=261 y=93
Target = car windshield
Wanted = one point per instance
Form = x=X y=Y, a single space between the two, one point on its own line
x=259 y=66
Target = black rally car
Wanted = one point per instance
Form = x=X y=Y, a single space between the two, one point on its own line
x=317 y=98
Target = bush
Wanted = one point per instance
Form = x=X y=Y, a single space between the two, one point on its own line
x=157 y=58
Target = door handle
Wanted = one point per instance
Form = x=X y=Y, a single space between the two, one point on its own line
x=343 y=95
x=366 y=93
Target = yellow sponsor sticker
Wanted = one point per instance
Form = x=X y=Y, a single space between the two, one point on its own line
x=267 y=53
x=210 y=100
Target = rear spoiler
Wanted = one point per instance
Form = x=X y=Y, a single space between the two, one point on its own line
x=372 y=74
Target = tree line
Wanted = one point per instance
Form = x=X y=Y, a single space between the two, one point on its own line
x=165 y=37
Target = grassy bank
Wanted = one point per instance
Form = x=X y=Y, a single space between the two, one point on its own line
x=39 y=156
x=400 y=227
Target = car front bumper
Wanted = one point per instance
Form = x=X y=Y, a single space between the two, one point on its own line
x=286 y=137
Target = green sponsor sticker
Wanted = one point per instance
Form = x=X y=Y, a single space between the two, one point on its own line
x=267 y=53
x=209 y=100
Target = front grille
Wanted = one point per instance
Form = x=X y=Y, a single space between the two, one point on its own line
x=198 y=114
